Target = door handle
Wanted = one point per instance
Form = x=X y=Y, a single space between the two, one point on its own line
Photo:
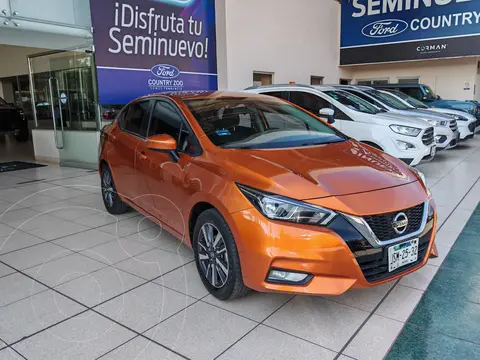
x=142 y=155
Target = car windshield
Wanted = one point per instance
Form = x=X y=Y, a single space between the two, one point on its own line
x=410 y=100
x=353 y=102
x=248 y=123
x=387 y=100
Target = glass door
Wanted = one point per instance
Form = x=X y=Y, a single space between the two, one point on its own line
x=64 y=97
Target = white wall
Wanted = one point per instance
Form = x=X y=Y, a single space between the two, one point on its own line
x=294 y=41
x=446 y=77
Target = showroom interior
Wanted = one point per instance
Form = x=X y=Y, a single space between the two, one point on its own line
x=79 y=282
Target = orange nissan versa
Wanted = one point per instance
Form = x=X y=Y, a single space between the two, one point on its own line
x=269 y=197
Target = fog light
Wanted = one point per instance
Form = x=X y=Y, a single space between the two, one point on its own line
x=439 y=139
x=403 y=145
x=287 y=277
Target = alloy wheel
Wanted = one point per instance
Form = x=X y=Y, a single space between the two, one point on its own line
x=107 y=188
x=213 y=255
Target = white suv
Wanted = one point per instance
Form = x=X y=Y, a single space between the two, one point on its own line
x=445 y=126
x=407 y=138
x=466 y=122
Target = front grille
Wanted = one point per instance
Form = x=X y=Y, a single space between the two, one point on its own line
x=471 y=127
x=381 y=225
x=428 y=136
x=374 y=263
x=477 y=124
x=453 y=125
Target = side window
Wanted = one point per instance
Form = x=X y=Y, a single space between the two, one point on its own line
x=413 y=92
x=135 y=119
x=340 y=115
x=310 y=102
x=363 y=96
x=166 y=120
x=277 y=94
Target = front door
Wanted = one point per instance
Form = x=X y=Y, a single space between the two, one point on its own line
x=166 y=177
x=64 y=100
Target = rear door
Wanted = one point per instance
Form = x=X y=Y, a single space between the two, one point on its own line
x=131 y=129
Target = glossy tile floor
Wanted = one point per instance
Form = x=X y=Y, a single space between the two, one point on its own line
x=445 y=323
x=77 y=283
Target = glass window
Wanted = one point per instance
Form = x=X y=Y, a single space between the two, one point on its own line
x=414 y=92
x=367 y=98
x=272 y=124
x=353 y=102
x=277 y=94
x=135 y=118
x=408 y=81
x=410 y=100
x=165 y=120
x=316 y=80
x=387 y=100
x=379 y=82
x=262 y=79
x=310 y=102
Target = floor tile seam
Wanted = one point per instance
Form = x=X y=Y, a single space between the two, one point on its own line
x=456 y=207
x=26 y=247
x=299 y=337
x=47 y=328
x=461 y=162
x=141 y=334
x=140 y=285
x=367 y=319
x=87 y=308
x=271 y=327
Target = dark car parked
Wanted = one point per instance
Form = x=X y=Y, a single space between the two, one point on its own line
x=12 y=121
x=425 y=94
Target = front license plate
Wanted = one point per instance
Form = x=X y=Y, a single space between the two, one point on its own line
x=402 y=254
x=433 y=150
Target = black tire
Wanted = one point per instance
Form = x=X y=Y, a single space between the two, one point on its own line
x=233 y=286
x=116 y=206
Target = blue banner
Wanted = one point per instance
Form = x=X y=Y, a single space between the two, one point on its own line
x=150 y=46
x=374 y=22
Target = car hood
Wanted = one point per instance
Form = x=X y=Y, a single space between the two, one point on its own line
x=453 y=112
x=317 y=171
x=399 y=119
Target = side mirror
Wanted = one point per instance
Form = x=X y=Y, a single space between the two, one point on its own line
x=162 y=142
x=328 y=113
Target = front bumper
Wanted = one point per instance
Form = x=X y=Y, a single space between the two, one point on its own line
x=335 y=264
x=445 y=138
x=466 y=129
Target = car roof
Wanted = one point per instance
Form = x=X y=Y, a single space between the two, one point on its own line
x=280 y=86
x=203 y=94
x=398 y=85
x=354 y=87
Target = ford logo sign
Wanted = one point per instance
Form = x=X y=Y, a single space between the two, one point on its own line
x=384 y=28
x=165 y=71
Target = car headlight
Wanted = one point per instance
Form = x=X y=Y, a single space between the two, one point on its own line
x=423 y=179
x=459 y=117
x=405 y=130
x=437 y=122
x=276 y=207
